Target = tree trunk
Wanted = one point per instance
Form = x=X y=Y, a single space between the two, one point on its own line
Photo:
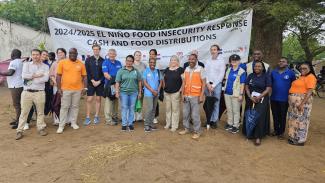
x=305 y=47
x=267 y=37
x=303 y=40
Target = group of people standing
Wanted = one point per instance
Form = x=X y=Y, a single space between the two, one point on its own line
x=137 y=83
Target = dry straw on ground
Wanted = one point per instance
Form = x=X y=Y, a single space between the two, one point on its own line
x=100 y=155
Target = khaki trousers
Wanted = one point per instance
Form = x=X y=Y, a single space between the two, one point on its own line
x=110 y=109
x=172 y=109
x=69 y=104
x=233 y=110
x=27 y=100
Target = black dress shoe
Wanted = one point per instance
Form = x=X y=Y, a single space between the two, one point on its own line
x=14 y=126
x=273 y=134
x=213 y=125
x=13 y=123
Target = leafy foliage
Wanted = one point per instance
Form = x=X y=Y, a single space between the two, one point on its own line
x=157 y=14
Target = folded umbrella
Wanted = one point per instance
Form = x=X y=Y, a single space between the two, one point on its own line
x=251 y=117
x=56 y=104
x=208 y=107
x=48 y=98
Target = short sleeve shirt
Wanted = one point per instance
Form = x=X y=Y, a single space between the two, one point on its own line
x=258 y=83
x=153 y=79
x=303 y=84
x=281 y=83
x=140 y=67
x=72 y=73
x=111 y=68
x=16 y=80
x=231 y=79
x=128 y=79
x=173 y=80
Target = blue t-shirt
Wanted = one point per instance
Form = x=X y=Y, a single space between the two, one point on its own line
x=153 y=79
x=111 y=68
x=281 y=84
x=231 y=79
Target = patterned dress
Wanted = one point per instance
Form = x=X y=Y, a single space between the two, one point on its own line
x=299 y=120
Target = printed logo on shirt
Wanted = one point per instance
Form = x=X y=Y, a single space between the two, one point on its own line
x=251 y=82
x=286 y=77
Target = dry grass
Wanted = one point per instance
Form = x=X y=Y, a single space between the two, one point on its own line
x=100 y=156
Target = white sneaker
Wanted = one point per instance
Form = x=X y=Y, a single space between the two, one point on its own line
x=60 y=130
x=155 y=121
x=26 y=127
x=75 y=126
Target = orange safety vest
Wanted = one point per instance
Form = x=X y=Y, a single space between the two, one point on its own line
x=193 y=86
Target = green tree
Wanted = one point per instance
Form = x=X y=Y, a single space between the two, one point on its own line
x=292 y=49
x=270 y=18
x=308 y=30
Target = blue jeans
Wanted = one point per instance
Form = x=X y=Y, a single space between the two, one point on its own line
x=216 y=93
x=127 y=101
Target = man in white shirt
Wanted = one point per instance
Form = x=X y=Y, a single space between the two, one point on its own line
x=15 y=82
x=35 y=75
x=215 y=71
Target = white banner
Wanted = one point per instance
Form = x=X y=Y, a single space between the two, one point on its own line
x=232 y=33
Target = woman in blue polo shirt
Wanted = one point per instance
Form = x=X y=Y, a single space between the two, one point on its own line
x=282 y=77
x=234 y=89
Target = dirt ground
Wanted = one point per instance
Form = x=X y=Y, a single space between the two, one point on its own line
x=103 y=153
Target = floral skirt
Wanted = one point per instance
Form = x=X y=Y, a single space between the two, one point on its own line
x=299 y=120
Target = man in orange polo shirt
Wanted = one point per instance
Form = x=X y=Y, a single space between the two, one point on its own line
x=194 y=80
x=71 y=82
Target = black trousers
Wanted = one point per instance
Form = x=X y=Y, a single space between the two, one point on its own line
x=157 y=110
x=15 y=95
x=279 y=112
